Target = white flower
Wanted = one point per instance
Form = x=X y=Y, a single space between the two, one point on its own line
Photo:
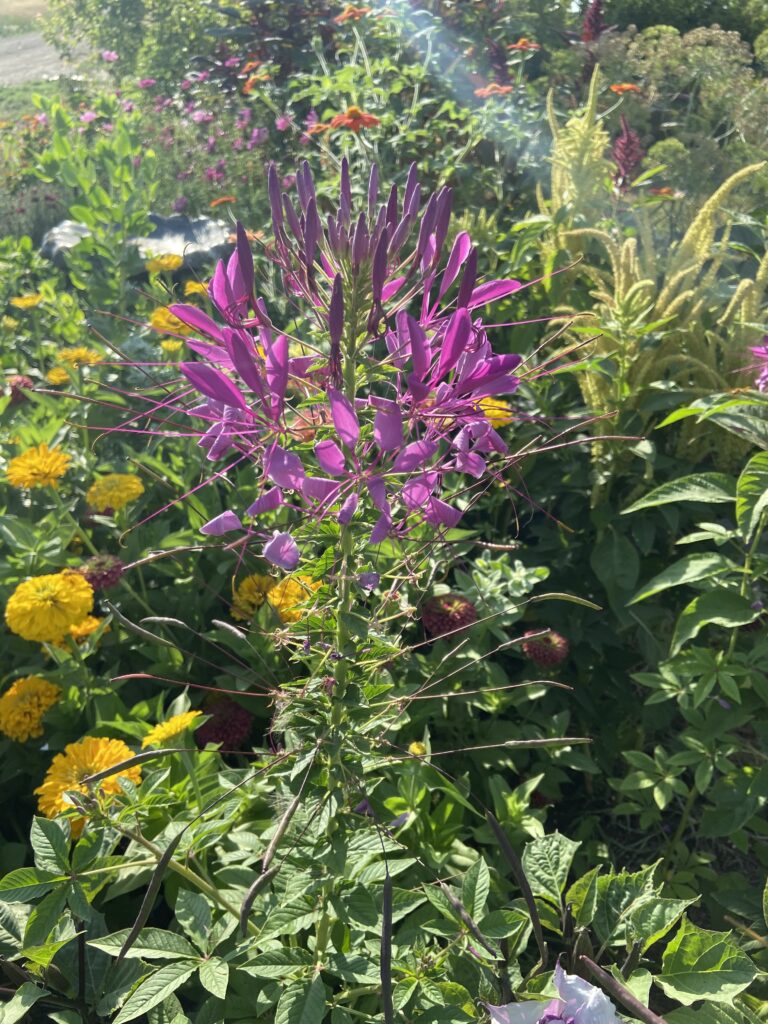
x=578 y=1002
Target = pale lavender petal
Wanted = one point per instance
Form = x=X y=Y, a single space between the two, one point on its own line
x=388 y=428
x=381 y=530
x=586 y=1003
x=284 y=468
x=492 y=291
x=413 y=456
x=348 y=509
x=417 y=492
x=267 y=502
x=378 y=492
x=282 y=551
x=368 y=580
x=344 y=417
x=320 y=489
x=277 y=371
x=330 y=457
x=224 y=523
x=209 y=381
x=517 y=1013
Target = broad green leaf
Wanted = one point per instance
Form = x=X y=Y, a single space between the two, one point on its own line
x=44 y=917
x=50 y=843
x=687 y=570
x=652 y=920
x=301 y=1004
x=707 y=487
x=582 y=896
x=712 y=1013
x=152 y=944
x=154 y=989
x=24 y=998
x=718 y=607
x=615 y=561
x=26 y=884
x=194 y=915
x=214 y=976
x=43 y=955
x=700 y=964
x=546 y=862
x=475 y=888
x=617 y=897
x=353 y=967
x=752 y=495
x=278 y=963
x=639 y=982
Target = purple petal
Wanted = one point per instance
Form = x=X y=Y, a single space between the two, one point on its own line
x=245 y=259
x=413 y=456
x=440 y=514
x=468 y=278
x=381 y=530
x=469 y=462
x=417 y=492
x=209 y=381
x=284 y=468
x=392 y=288
x=243 y=356
x=282 y=551
x=330 y=457
x=336 y=311
x=277 y=371
x=459 y=253
x=378 y=492
x=456 y=340
x=197 y=319
x=368 y=580
x=344 y=417
x=224 y=523
x=388 y=428
x=267 y=502
x=348 y=509
x=493 y=291
x=318 y=488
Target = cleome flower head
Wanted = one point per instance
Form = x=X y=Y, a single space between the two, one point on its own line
x=23 y=706
x=38 y=467
x=577 y=1002
x=169 y=729
x=44 y=609
x=114 y=491
x=79 y=760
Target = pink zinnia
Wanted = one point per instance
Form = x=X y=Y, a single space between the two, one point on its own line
x=147 y=83
x=109 y=56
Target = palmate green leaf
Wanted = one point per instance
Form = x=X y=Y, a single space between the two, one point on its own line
x=24 y=998
x=546 y=862
x=652 y=920
x=718 y=607
x=26 y=884
x=154 y=989
x=475 y=888
x=706 y=487
x=699 y=964
x=152 y=944
x=752 y=495
x=688 y=570
x=50 y=843
x=301 y=1004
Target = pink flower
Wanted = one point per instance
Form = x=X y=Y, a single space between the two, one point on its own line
x=282 y=551
x=128 y=106
x=180 y=204
x=109 y=56
x=147 y=83
x=232 y=62
x=87 y=116
x=289 y=181
x=202 y=117
x=283 y=123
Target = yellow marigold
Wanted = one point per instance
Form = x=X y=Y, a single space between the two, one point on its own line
x=417 y=749
x=88 y=757
x=170 y=729
x=288 y=597
x=58 y=375
x=168 y=262
x=171 y=346
x=38 y=467
x=43 y=609
x=497 y=412
x=195 y=288
x=161 y=319
x=27 y=301
x=114 y=491
x=8 y=323
x=80 y=356
x=82 y=630
x=250 y=594
x=23 y=705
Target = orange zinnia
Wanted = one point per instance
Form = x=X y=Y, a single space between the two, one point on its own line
x=494 y=89
x=524 y=44
x=623 y=87
x=317 y=129
x=355 y=119
x=250 y=82
x=222 y=199
x=351 y=12
x=665 y=190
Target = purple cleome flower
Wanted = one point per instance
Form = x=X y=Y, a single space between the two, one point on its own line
x=761 y=351
x=389 y=419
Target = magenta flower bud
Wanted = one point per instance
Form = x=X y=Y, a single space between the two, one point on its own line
x=345 y=194
x=282 y=551
x=305 y=185
x=392 y=216
x=336 y=311
x=311 y=232
x=348 y=509
x=293 y=220
x=379 y=267
x=411 y=188
x=373 y=190
x=224 y=523
x=468 y=278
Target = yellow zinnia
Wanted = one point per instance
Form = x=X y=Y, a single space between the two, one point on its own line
x=498 y=413
x=168 y=730
x=27 y=301
x=171 y=346
x=8 y=323
x=114 y=491
x=168 y=263
x=23 y=705
x=58 y=375
x=250 y=595
x=38 y=467
x=163 y=320
x=79 y=760
x=288 y=597
x=79 y=356
x=44 y=608
x=82 y=630
x=417 y=749
x=195 y=288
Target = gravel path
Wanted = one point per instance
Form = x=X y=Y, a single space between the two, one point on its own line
x=28 y=58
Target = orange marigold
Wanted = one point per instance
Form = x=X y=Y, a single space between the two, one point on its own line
x=355 y=119
x=494 y=89
x=524 y=44
x=351 y=13
x=621 y=87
